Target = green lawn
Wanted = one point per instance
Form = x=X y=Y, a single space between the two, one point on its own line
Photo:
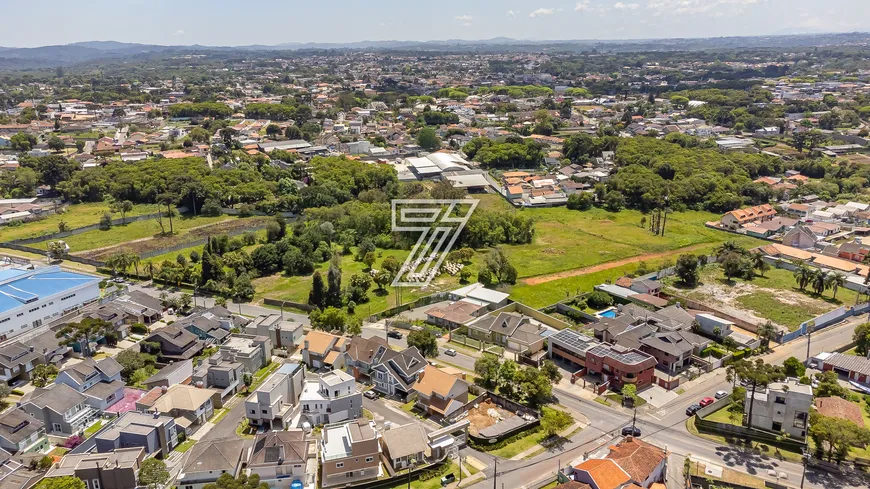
x=433 y=483
x=185 y=445
x=723 y=416
x=519 y=446
x=76 y=216
x=132 y=231
x=94 y=428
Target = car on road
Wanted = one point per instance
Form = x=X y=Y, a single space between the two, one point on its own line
x=394 y=335
x=630 y=431
x=707 y=401
x=720 y=394
x=691 y=410
x=371 y=394
x=450 y=352
x=448 y=479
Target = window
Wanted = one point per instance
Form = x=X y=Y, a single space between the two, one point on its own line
x=96 y=484
x=19 y=314
x=348 y=474
x=55 y=427
x=779 y=400
x=253 y=411
x=369 y=459
x=5 y=319
x=264 y=411
x=339 y=465
x=800 y=420
x=87 y=486
x=776 y=426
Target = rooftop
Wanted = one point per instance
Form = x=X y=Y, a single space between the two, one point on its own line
x=19 y=287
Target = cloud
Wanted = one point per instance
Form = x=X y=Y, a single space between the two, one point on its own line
x=179 y=32
x=542 y=12
x=582 y=6
x=511 y=13
x=625 y=6
x=465 y=19
x=691 y=7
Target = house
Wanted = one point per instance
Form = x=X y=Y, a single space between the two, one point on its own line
x=281 y=457
x=189 y=406
x=22 y=433
x=570 y=347
x=211 y=325
x=100 y=382
x=148 y=309
x=321 y=350
x=781 y=407
x=152 y=432
x=350 y=453
x=643 y=462
x=439 y=393
x=854 y=251
x=800 y=237
x=176 y=344
x=401 y=444
x=16 y=475
x=330 y=398
x=854 y=368
x=619 y=365
x=62 y=409
x=254 y=352
x=673 y=350
x=740 y=217
x=282 y=333
x=31 y=298
x=362 y=354
x=641 y=286
x=118 y=469
x=602 y=473
x=17 y=359
x=174 y=373
x=394 y=372
x=276 y=399
x=455 y=314
x=208 y=460
x=514 y=331
x=837 y=407
x=218 y=373
x=479 y=294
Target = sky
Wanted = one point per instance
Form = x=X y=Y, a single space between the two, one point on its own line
x=233 y=23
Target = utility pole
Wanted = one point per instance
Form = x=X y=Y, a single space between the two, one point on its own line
x=806 y=461
x=495 y=474
x=634 y=419
x=810 y=326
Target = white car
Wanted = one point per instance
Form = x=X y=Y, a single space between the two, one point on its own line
x=721 y=394
x=450 y=352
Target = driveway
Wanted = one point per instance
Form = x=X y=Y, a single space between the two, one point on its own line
x=657 y=396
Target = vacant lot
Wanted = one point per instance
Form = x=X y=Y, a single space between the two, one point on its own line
x=480 y=418
x=774 y=297
x=75 y=216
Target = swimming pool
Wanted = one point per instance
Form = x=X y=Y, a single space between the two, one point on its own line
x=610 y=313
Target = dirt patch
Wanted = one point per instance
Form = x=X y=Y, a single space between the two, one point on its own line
x=541 y=279
x=605 y=221
x=156 y=243
x=479 y=417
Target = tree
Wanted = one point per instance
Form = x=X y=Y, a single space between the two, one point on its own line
x=614 y=201
x=834 y=281
x=551 y=371
x=829 y=386
x=153 y=473
x=330 y=319
x=687 y=269
x=85 y=331
x=369 y=259
x=553 y=421
x=758 y=375
x=56 y=144
x=248 y=380
x=758 y=263
x=802 y=274
x=793 y=367
x=43 y=374
x=733 y=265
x=499 y=267
x=65 y=482
x=293 y=132
x=333 y=286
x=486 y=368
x=818 y=281
x=629 y=393
x=273 y=130
x=766 y=333
x=122 y=207
x=424 y=341
x=581 y=201
x=317 y=296
x=391 y=264
x=428 y=140
x=56 y=250
x=243 y=288
x=837 y=435
x=861 y=337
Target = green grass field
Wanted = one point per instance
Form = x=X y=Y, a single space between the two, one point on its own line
x=92 y=240
x=76 y=216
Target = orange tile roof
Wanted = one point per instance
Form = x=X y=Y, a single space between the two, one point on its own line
x=432 y=380
x=753 y=213
x=319 y=342
x=638 y=458
x=606 y=473
x=331 y=357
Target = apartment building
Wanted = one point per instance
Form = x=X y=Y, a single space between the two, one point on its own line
x=330 y=398
x=350 y=453
x=277 y=399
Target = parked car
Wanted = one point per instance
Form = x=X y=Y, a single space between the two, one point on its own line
x=707 y=401
x=371 y=394
x=450 y=352
x=395 y=335
x=721 y=394
x=691 y=410
x=628 y=431
x=448 y=479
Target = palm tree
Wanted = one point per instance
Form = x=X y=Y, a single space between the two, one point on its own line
x=766 y=332
x=135 y=260
x=803 y=274
x=835 y=281
x=819 y=281
x=728 y=247
x=758 y=263
x=150 y=269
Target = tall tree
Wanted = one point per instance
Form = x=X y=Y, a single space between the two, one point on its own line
x=153 y=473
x=317 y=296
x=758 y=375
x=333 y=285
x=425 y=342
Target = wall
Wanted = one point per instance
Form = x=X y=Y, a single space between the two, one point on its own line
x=295 y=305
x=743 y=433
x=825 y=320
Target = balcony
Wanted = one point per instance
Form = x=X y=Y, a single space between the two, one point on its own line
x=629 y=379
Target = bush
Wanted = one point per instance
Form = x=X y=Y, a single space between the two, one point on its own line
x=486 y=447
x=17 y=392
x=599 y=300
x=738 y=355
x=73 y=442
x=246 y=210
x=138 y=328
x=436 y=472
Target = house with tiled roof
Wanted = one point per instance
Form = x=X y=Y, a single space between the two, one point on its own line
x=439 y=393
x=187 y=405
x=100 y=382
x=321 y=349
x=737 y=218
x=837 y=407
x=601 y=474
x=643 y=462
x=361 y=354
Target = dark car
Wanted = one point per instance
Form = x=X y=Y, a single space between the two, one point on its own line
x=628 y=431
x=691 y=410
x=395 y=335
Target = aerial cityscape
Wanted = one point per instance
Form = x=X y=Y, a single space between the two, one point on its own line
x=586 y=245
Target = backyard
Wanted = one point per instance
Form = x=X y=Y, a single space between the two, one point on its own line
x=774 y=297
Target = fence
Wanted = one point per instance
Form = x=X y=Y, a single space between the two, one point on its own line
x=744 y=433
x=825 y=320
x=84 y=229
x=423 y=301
x=198 y=242
x=288 y=304
x=403 y=476
x=37 y=251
